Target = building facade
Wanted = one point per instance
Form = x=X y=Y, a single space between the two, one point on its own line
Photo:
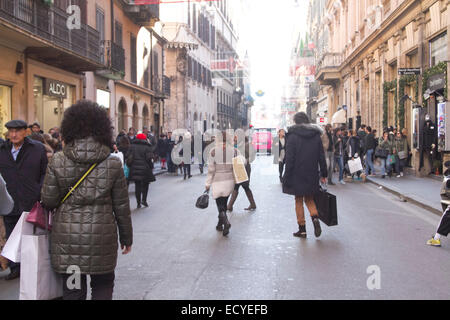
x=51 y=61
x=361 y=47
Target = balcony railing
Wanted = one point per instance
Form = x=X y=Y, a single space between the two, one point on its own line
x=50 y=23
x=141 y=13
x=114 y=56
x=330 y=60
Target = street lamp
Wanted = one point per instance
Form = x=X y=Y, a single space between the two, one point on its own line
x=414 y=103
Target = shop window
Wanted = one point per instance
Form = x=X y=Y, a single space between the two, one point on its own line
x=145 y=116
x=438 y=49
x=121 y=119
x=135 y=117
x=5 y=108
x=49 y=106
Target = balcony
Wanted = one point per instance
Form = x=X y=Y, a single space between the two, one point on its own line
x=142 y=13
x=43 y=31
x=328 y=69
x=114 y=58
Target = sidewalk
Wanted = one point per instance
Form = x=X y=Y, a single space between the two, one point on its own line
x=424 y=192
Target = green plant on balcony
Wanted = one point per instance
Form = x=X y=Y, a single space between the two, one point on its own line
x=440 y=68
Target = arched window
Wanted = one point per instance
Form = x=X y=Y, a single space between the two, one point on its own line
x=121 y=115
x=135 y=117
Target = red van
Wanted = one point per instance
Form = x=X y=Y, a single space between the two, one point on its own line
x=262 y=141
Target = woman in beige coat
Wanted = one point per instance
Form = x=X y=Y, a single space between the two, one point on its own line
x=221 y=178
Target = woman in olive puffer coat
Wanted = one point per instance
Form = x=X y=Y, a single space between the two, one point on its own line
x=89 y=224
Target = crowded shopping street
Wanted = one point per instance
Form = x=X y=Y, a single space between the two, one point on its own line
x=177 y=253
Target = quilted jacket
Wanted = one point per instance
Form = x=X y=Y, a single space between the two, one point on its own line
x=86 y=226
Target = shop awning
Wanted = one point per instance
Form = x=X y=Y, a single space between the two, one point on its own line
x=339 y=117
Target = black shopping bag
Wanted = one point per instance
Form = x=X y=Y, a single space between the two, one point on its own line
x=326 y=205
x=203 y=201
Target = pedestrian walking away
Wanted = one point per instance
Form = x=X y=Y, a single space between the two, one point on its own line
x=221 y=178
x=338 y=141
x=140 y=162
x=250 y=154
x=23 y=162
x=88 y=225
x=442 y=231
x=304 y=155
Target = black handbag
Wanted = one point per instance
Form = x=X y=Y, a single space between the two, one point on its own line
x=327 y=207
x=381 y=153
x=203 y=201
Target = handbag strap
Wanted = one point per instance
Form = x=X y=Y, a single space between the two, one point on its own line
x=71 y=190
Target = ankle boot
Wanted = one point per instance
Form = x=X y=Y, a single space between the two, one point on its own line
x=251 y=199
x=301 y=233
x=234 y=196
x=226 y=224
x=219 y=226
x=316 y=223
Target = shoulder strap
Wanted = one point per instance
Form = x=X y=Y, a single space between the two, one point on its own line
x=71 y=190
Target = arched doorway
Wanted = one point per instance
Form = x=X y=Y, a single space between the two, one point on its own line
x=121 y=115
x=135 y=117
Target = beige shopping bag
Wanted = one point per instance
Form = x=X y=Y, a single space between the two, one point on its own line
x=240 y=174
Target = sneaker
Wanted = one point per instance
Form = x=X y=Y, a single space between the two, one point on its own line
x=342 y=182
x=401 y=174
x=398 y=176
x=15 y=273
x=434 y=243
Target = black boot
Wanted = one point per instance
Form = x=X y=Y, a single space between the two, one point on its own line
x=233 y=198
x=219 y=226
x=226 y=224
x=301 y=233
x=317 y=229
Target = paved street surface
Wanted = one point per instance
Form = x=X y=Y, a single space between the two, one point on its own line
x=178 y=254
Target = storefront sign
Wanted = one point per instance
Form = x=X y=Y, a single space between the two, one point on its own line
x=322 y=121
x=436 y=82
x=55 y=88
x=409 y=71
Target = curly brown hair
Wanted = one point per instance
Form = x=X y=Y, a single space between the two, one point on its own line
x=87 y=119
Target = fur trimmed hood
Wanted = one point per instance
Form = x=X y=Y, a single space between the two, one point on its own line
x=307 y=130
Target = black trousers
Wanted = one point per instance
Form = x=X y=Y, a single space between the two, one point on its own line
x=444 y=224
x=10 y=223
x=102 y=286
x=222 y=204
x=187 y=169
x=281 y=168
x=141 y=190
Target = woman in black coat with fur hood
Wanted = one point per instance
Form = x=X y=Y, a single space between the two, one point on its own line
x=304 y=157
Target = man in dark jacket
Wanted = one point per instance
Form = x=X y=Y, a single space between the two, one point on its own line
x=170 y=145
x=362 y=138
x=23 y=163
x=304 y=155
x=370 y=145
x=338 y=141
x=429 y=143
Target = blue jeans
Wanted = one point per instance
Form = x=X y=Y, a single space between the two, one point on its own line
x=340 y=161
x=369 y=162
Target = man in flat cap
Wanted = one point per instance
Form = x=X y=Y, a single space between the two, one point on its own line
x=23 y=163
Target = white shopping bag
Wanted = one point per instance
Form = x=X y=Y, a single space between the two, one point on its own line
x=240 y=174
x=355 y=165
x=118 y=155
x=11 y=250
x=38 y=281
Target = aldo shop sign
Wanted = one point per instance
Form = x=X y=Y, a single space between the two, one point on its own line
x=56 y=88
